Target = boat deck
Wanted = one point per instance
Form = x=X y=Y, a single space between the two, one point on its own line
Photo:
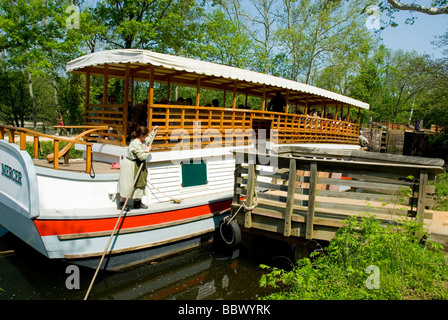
x=78 y=166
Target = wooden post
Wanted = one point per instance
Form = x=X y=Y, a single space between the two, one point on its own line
x=12 y=135
x=124 y=132
x=150 y=96
x=198 y=91
x=359 y=117
x=36 y=147
x=306 y=105
x=87 y=95
x=224 y=99
x=88 y=158
x=263 y=102
x=234 y=95
x=236 y=175
x=132 y=89
x=287 y=102
x=251 y=181
x=168 y=91
x=105 y=82
x=56 y=155
x=311 y=201
x=22 y=140
x=290 y=199
x=422 y=186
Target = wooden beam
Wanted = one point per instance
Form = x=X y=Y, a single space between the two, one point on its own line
x=198 y=91
x=105 y=82
x=422 y=186
x=224 y=99
x=151 y=96
x=125 y=105
x=290 y=199
x=87 y=95
x=56 y=155
x=234 y=95
x=263 y=102
x=311 y=200
x=168 y=91
x=251 y=182
x=306 y=104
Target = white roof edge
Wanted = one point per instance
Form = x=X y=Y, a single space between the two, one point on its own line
x=201 y=67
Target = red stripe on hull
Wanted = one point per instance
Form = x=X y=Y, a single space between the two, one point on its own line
x=75 y=226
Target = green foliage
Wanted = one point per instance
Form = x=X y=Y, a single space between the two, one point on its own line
x=408 y=268
x=441 y=186
x=324 y=43
x=47 y=147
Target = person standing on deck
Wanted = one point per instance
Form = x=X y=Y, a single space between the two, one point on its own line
x=137 y=153
x=277 y=104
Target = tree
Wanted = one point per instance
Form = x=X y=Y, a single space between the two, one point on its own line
x=315 y=35
x=368 y=83
x=258 y=19
x=224 y=40
x=147 y=24
x=437 y=7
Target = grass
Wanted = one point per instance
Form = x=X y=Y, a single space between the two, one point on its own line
x=367 y=260
x=441 y=196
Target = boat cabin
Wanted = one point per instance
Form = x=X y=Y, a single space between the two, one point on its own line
x=302 y=114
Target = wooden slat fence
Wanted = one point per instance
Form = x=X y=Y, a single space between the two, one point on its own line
x=309 y=194
x=238 y=126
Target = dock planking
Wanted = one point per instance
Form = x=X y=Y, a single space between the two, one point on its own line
x=310 y=192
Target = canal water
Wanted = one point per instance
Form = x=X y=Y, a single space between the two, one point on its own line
x=207 y=273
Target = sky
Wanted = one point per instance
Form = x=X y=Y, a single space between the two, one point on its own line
x=418 y=36
x=407 y=37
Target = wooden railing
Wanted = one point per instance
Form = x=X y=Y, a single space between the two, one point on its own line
x=23 y=132
x=111 y=116
x=239 y=126
x=309 y=193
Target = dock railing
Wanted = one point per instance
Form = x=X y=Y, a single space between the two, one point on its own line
x=309 y=192
x=23 y=133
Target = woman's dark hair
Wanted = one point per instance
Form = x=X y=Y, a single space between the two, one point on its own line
x=140 y=131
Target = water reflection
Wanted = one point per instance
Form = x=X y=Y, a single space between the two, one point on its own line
x=207 y=273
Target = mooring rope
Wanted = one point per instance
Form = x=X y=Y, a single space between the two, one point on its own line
x=246 y=208
x=175 y=200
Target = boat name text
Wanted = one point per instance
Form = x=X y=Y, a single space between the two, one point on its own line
x=12 y=174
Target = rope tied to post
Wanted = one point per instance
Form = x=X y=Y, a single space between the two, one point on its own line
x=246 y=208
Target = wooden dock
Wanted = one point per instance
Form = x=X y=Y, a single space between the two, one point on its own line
x=307 y=193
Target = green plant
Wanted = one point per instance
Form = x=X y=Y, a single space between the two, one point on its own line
x=441 y=192
x=408 y=265
x=47 y=147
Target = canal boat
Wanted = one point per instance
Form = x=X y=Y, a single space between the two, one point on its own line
x=67 y=208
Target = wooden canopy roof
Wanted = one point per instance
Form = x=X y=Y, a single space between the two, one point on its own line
x=190 y=72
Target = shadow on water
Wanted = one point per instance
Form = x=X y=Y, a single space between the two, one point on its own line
x=210 y=272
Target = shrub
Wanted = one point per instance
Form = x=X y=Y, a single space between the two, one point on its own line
x=47 y=147
x=441 y=193
x=407 y=266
